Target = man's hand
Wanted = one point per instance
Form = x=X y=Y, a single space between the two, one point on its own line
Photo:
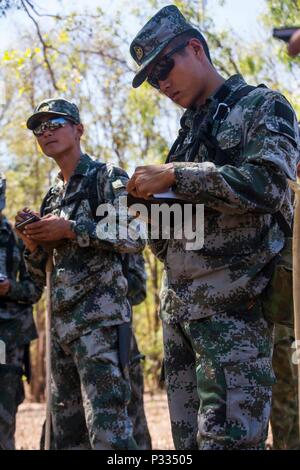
x=49 y=229
x=30 y=244
x=294 y=44
x=151 y=179
x=4 y=287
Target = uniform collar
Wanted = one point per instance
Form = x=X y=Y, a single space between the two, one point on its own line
x=83 y=165
x=224 y=92
x=81 y=169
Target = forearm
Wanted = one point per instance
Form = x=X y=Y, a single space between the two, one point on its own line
x=268 y=150
x=92 y=234
x=250 y=188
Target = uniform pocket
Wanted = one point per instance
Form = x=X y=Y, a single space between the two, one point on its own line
x=248 y=400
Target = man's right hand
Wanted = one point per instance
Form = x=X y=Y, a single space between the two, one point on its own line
x=29 y=243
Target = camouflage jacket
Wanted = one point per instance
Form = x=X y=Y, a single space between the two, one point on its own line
x=241 y=235
x=88 y=285
x=16 y=321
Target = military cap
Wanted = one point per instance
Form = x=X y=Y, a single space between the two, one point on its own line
x=2 y=191
x=161 y=29
x=54 y=107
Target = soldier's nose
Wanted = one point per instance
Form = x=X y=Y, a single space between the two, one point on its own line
x=47 y=132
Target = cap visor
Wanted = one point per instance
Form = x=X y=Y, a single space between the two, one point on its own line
x=142 y=73
x=33 y=121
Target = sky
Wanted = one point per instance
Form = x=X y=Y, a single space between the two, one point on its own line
x=241 y=15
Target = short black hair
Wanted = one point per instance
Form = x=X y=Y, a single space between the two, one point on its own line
x=186 y=36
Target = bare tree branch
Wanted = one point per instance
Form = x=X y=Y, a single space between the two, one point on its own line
x=108 y=56
x=45 y=46
x=57 y=17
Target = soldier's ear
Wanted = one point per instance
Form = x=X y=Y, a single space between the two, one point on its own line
x=79 y=130
x=197 y=47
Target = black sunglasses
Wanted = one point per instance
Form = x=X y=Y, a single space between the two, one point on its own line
x=164 y=67
x=51 y=125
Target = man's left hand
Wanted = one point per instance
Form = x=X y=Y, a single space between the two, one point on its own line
x=151 y=179
x=49 y=229
x=4 y=287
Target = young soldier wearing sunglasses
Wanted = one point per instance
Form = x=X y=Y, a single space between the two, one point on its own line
x=90 y=309
x=236 y=147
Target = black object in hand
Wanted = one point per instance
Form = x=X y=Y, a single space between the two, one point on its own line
x=28 y=219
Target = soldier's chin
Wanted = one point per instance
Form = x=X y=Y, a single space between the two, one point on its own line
x=52 y=151
x=183 y=101
x=49 y=154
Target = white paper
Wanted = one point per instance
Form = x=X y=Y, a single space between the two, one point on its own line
x=166 y=195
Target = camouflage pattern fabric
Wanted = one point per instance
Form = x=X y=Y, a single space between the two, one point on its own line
x=51 y=108
x=88 y=286
x=167 y=24
x=135 y=410
x=90 y=395
x=241 y=237
x=88 y=302
x=136 y=294
x=16 y=321
x=241 y=242
x=284 y=413
x=11 y=395
x=219 y=380
x=17 y=329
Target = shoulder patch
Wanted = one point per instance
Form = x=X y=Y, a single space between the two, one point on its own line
x=281 y=119
x=283 y=111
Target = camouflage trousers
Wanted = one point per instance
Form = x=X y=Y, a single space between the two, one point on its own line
x=219 y=380
x=11 y=395
x=90 y=395
x=284 y=414
x=136 y=409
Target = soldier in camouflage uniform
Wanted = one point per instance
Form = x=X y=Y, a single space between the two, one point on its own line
x=232 y=155
x=17 y=328
x=136 y=277
x=284 y=413
x=90 y=310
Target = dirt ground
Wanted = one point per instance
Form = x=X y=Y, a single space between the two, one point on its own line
x=31 y=416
